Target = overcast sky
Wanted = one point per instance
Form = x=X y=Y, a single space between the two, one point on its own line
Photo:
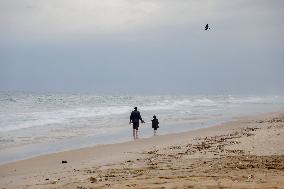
x=143 y=46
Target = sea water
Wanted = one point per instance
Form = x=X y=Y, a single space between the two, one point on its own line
x=32 y=124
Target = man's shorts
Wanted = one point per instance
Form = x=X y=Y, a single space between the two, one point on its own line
x=136 y=125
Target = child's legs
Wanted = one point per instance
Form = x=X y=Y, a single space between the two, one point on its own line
x=155 y=131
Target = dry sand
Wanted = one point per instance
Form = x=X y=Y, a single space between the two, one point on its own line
x=245 y=153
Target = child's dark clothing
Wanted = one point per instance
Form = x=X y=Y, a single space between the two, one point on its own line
x=155 y=124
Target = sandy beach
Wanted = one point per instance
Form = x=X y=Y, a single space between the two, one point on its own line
x=247 y=152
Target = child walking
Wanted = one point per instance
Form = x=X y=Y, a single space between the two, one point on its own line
x=155 y=124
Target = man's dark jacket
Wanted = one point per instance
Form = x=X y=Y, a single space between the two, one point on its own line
x=135 y=116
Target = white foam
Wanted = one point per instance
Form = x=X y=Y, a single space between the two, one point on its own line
x=17 y=121
x=33 y=110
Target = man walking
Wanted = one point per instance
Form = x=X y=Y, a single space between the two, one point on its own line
x=134 y=119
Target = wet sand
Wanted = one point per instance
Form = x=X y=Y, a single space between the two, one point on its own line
x=245 y=153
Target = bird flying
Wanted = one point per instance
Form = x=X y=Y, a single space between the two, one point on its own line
x=207 y=27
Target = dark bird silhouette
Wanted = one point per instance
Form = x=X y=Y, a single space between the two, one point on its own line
x=207 y=27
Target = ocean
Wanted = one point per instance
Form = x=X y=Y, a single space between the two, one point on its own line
x=33 y=124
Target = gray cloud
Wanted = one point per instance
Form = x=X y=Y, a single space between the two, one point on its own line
x=142 y=46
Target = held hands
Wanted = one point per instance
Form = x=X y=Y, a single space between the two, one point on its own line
x=142 y=121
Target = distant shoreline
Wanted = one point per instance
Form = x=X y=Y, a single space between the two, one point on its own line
x=130 y=139
x=144 y=138
x=38 y=124
x=35 y=171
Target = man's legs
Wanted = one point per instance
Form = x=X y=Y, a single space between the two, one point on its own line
x=135 y=133
x=135 y=130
